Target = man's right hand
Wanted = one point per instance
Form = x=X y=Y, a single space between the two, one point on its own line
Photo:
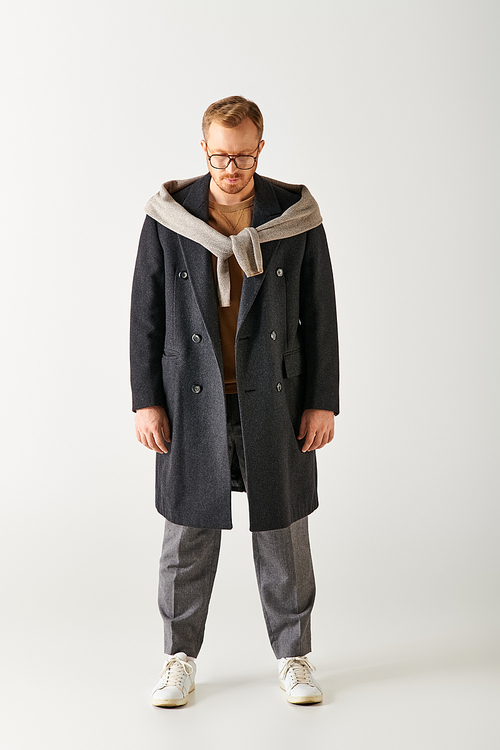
x=152 y=428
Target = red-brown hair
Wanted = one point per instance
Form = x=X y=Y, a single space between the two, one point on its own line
x=230 y=111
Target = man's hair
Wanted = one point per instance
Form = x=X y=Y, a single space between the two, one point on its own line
x=230 y=111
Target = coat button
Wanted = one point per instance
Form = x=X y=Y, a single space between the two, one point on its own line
x=183 y=274
x=278 y=387
x=196 y=338
x=273 y=335
x=196 y=388
x=279 y=272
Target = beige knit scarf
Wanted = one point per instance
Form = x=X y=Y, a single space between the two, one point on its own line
x=301 y=217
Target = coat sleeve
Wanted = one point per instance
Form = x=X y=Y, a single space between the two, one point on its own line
x=147 y=320
x=318 y=317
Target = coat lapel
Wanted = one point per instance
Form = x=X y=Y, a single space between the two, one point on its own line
x=199 y=264
x=266 y=207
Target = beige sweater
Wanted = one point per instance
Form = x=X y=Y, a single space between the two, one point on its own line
x=301 y=217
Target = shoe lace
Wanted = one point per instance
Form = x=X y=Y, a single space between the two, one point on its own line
x=300 y=669
x=173 y=672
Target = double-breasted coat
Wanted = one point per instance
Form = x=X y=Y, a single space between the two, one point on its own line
x=286 y=361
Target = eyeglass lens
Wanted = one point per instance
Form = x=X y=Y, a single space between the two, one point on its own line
x=220 y=161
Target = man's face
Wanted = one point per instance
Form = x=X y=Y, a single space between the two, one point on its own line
x=243 y=139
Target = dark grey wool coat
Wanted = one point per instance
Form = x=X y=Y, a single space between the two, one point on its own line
x=286 y=361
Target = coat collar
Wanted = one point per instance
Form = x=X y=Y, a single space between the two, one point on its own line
x=266 y=205
x=196 y=198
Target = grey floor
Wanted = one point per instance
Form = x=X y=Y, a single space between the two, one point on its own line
x=97 y=696
x=80 y=659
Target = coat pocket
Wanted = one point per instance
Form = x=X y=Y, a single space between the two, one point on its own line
x=294 y=363
x=294 y=371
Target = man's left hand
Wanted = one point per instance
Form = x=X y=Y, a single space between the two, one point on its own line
x=317 y=426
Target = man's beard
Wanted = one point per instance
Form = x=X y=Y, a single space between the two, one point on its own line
x=237 y=187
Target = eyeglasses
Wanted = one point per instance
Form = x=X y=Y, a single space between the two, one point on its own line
x=241 y=161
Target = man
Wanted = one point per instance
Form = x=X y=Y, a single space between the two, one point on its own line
x=234 y=369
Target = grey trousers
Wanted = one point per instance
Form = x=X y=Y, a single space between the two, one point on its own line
x=283 y=566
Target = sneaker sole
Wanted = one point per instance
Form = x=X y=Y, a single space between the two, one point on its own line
x=303 y=700
x=174 y=702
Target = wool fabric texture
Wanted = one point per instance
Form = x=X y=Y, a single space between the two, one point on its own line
x=245 y=246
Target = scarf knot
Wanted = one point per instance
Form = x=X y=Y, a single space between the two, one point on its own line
x=246 y=248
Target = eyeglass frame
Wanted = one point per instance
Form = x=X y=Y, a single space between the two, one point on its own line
x=233 y=158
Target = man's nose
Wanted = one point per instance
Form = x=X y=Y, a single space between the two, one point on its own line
x=231 y=167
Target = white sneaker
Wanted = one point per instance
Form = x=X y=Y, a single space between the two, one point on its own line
x=297 y=681
x=176 y=681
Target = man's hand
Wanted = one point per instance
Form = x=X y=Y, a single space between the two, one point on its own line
x=317 y=426
x=152 y=428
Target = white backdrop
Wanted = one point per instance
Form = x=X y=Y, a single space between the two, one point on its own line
x=388 y=111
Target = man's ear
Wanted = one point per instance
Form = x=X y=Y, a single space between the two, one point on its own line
x=204 y=146
x=261 y=146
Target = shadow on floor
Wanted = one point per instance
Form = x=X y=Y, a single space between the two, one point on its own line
x=409 y=660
